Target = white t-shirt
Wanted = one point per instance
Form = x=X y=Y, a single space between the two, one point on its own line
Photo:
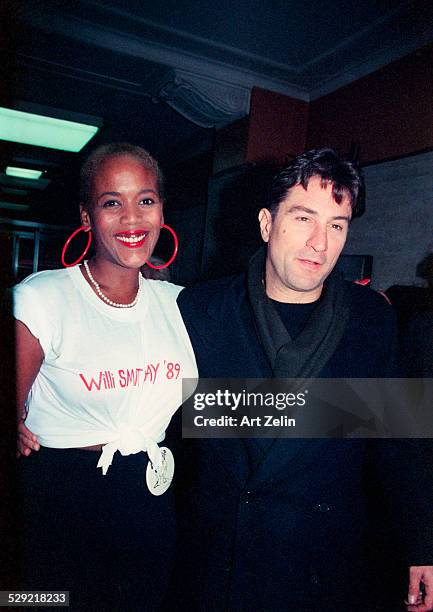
x=109 y=374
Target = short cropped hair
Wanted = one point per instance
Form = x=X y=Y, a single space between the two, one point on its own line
x=344 y=175
x=116 y=149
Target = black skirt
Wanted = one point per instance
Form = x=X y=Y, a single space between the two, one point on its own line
x=105 y=539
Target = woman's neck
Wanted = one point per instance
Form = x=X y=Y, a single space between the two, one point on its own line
x=118 y=283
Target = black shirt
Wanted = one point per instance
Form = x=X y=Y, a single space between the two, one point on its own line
x=294 y=316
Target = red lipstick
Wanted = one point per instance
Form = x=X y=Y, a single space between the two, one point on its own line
x=132 y=239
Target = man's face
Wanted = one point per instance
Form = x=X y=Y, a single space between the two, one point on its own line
x=304 y=240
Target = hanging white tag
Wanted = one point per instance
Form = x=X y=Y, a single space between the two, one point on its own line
x=158 y=480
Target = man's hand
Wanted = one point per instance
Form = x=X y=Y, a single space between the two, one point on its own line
x=26 y=440
x=417 y=600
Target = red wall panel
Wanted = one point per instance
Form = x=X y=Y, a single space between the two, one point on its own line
x=389 y=112
x=278 y=126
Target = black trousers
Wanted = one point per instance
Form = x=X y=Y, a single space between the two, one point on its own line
x=106 y=539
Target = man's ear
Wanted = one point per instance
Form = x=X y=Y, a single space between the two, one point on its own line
x=85 y=217
x=265 y=221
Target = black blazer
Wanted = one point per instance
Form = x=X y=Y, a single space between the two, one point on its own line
x=418 y=342
x=301 y=531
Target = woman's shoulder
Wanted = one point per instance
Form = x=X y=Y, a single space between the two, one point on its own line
x=162 y=289
x=47 y=283
x=46 y=277
x=40 y=301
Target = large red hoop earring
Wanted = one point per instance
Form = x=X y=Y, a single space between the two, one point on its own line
x=83 y=228
x=176 y=248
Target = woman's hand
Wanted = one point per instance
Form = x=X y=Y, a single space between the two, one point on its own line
x=27 y=441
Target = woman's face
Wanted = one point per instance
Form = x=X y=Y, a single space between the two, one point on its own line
x=125 y=212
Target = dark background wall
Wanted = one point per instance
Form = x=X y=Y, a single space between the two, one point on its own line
x=278 y=126
x=386 y=116
x=397 y=227
x=390 y=112
x=213 y=197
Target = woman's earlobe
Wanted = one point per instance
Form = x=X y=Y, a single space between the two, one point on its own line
x=84 y=216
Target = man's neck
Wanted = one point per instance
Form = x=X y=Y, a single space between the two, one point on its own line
x=292 y=296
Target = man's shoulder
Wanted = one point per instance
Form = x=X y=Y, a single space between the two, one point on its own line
x=370 y=312
x=214 y=296
x=364 y=297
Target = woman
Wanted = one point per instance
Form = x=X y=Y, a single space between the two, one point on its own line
x=100 y=357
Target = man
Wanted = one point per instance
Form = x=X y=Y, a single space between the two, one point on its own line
x=293 y=524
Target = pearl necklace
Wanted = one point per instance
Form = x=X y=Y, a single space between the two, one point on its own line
x=105 y=298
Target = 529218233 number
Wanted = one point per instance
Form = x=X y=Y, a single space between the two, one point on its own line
x=34 y=598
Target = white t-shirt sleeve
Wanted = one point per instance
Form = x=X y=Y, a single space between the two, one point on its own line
x=29 y=309
x=166 y=288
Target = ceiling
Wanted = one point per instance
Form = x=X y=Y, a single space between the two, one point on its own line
x=165 y=74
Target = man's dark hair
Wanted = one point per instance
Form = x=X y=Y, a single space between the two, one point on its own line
x=344 y=175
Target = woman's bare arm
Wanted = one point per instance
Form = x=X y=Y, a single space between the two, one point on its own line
x=29 y=356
